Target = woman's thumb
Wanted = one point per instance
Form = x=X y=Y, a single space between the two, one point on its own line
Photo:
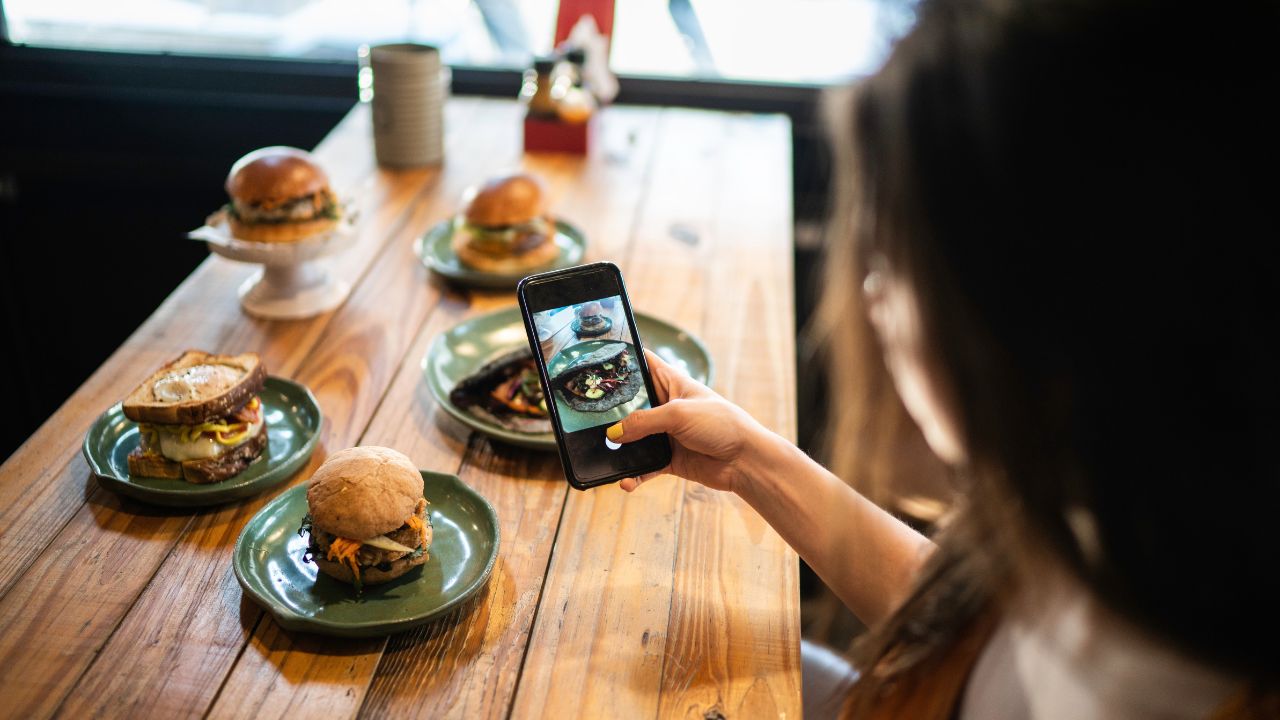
x=643 y=423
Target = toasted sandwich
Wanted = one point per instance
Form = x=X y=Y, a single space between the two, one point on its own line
x=199 y=418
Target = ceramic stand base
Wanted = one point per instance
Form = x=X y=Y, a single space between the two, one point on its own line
x=292 y=292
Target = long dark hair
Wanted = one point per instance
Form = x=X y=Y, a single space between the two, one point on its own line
x=1082 y=195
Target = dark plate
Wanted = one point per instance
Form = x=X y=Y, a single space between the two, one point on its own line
x=293 y=428
x=464 y=548
x=462 y=349
x=435 y=249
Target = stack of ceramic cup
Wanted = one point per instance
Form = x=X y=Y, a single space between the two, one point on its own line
x=407 y=86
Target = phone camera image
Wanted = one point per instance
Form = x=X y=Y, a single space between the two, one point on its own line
x=593 y=371
x=590 y=353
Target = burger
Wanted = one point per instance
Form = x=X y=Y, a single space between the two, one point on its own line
x=591 y=320
x=279 y=194
x=504 y=227
x=199 y=418
x=367 y=519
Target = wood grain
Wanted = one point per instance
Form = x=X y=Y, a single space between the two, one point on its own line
x=466 y=666
x=598 y=645
x=731 y=644
x=202 y=313
x=426 y=674
x=673 y=601
x=619 y=639
x=411 y=681
x=348 y=370
x=52 y=669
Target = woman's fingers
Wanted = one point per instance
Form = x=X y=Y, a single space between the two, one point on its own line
x=643 y=423
x=660 y=371
x=630 y=484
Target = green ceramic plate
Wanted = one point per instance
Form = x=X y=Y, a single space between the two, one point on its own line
x=459 y=351
x=268 y=562
x=435 y=249
x=293 y=428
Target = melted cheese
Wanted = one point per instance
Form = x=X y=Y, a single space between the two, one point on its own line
x=195 y=382
x=182 y=445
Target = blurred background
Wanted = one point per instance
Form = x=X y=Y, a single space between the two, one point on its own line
x=119 y=120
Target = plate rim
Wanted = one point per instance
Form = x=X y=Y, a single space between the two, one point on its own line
x=482 y=279
x=539 y=441
x=290 y=620
x=183 y=496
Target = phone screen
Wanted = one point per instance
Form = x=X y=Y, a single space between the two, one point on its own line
x=583 y=332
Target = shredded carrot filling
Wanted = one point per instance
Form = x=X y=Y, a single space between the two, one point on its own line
x=418 y=526
x=344 y=550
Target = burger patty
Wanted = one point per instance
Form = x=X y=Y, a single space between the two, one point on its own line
x=368 y=556
x=507 y=240
x=307 y=207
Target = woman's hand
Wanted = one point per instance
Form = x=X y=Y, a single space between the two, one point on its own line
x=710 y=436
x=716 y=443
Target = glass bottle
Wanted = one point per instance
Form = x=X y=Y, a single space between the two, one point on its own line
x=536 y=91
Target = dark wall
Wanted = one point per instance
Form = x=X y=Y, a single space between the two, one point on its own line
x=105 y=162
x=107 y=159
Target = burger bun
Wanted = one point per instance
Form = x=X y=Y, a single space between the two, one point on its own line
x=276 y=173
x=509 y=199
x=363 y=492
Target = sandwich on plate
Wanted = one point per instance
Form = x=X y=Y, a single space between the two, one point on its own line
x=507 y=392
x=366 y=516
x=600 y=380
x=199 y=418
x=505 y=228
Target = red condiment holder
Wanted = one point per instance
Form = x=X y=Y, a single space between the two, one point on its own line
x=554 y=135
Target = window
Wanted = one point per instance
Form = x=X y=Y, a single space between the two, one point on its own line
x=800 y=41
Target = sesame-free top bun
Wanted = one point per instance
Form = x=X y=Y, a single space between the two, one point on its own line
x=363 y=492
x=276 y=173
x=506 y=200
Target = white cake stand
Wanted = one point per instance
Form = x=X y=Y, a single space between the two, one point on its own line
x=295 y=280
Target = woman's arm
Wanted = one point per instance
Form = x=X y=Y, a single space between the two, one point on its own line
x=868 y=557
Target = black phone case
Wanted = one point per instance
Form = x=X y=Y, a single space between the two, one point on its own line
x=531 y=334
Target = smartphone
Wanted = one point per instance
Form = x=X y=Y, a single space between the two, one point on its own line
x=593 y=371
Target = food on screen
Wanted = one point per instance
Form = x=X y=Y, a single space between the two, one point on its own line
x=602 y=379
x=591 y=321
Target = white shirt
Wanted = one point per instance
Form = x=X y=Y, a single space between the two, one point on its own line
x=1074 y=660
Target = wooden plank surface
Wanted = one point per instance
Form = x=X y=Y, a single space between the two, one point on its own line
x=612 y=641
x=348 y=369
x=674 y=601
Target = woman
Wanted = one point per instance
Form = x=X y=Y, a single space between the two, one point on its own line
x=1053 y=214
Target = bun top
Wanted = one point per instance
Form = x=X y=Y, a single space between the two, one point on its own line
x=590 y=309
x=506 y=200
x=275 y=173
x=363 y=492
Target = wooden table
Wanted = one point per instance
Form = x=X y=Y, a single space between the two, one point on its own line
x=674 y=601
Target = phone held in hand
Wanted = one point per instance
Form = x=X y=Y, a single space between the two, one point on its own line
x=593 y=371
